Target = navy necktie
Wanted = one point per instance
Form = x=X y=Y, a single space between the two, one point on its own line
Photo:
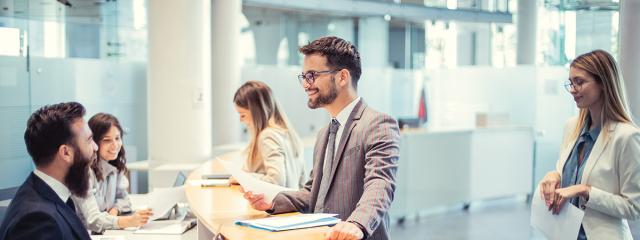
x=71 y=204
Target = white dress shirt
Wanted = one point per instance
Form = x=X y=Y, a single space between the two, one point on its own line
x=342 y=118
x=60 y=189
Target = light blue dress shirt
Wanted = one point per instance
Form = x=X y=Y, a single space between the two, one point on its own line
x=572 y=172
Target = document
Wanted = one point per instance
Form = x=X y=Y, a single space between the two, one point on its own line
x=209 y=182
x=101 y=237
x=292 y=222
x=161 y=200
x=565 y=225
x=252 y=184
x=177 y=226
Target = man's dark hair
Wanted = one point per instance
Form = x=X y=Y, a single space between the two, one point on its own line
x=49 y=128
x=340 y=54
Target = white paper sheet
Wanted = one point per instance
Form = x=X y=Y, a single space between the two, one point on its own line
x=114 y=237
x=164 y=227
x=565 y=225
x=250 y=183
x=161 y=200
x=199 y=183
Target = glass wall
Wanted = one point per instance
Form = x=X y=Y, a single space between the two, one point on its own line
x=94 y=54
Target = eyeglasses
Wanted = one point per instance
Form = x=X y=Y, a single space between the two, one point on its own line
x=310 y=77
x=578 y=86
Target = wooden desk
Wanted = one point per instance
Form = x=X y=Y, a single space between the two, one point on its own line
x=216 y=205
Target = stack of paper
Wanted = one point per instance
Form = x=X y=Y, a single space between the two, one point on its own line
x=293 y=222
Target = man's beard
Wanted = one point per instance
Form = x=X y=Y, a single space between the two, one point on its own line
x=323 y=100
x=77 y=178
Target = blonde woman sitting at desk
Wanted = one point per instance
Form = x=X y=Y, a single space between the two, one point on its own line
x=599 y=166
x=108 y=197
x=275 y=153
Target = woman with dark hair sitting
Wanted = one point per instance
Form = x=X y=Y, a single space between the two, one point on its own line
x=275 y=153
x=108 y=197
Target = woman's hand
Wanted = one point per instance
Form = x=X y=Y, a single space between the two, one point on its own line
x=548 y=186
x=138 y=218
x=233 y=180
x=564 y=194
x=114 y=212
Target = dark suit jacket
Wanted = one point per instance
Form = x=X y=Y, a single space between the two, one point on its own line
x=362 y=177
x=37 y=212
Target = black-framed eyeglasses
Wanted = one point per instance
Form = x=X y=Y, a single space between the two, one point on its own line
x=310 y=76
x=578 y=86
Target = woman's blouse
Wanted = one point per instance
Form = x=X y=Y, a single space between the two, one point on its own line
x=102 y=197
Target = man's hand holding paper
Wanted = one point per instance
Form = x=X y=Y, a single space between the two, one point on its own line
x=258 y=190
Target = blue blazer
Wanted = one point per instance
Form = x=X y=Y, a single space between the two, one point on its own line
x=37 y=212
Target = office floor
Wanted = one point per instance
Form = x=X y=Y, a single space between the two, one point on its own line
x=507 y=221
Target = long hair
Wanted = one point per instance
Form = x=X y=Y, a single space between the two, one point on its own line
x=100 y=124
x=615 y=107
x=265 y=112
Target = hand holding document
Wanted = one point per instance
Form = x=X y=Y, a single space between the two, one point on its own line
x=252 y=184
x=161 y=200
x=565 y=225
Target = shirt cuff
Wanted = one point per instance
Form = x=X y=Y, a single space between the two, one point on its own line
x=115 y=223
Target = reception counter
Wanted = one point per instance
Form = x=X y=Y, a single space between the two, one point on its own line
x=436 y=168
x=225 y=205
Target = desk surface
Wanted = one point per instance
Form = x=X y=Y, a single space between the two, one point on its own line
x=226 y=206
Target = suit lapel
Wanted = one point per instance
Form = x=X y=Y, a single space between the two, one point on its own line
x=65 y=211
x=601 y=143
x=354 y=117
x=318 y=161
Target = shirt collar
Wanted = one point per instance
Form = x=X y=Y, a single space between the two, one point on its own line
x=57 y=186
x=107 y=168
x=593 y=133
x=343 y=116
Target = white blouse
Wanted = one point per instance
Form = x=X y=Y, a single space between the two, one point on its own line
x=102 y=197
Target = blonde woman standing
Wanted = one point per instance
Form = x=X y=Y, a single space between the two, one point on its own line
x=599 y=166
x=275 y=152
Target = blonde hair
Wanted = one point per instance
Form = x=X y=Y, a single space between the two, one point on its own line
x=265 y=112
x=615 y=106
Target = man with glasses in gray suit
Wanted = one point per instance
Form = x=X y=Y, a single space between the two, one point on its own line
x=356 y=155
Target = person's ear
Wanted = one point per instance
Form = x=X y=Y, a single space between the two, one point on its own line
x=66 y=153
x=344 y=77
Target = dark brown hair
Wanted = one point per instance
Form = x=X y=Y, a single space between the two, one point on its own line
x=265 y=112
x=48 y=128
x=100 y=124
x=340 y=54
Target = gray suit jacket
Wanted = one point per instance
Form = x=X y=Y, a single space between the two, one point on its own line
x=362 y=177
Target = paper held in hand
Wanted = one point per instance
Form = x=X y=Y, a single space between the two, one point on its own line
x=249 y=183
x=161 y=200
x=565 y=225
